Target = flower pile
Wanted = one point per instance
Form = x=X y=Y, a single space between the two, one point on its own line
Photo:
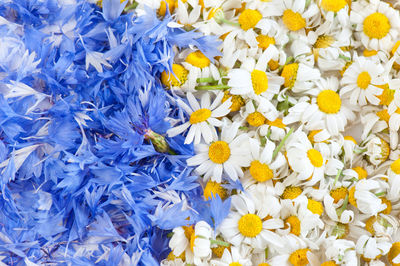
x=295 y=126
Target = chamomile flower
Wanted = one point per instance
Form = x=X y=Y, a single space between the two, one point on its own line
x=235 y=257
x=248 y=223
x=252 y=81
x=335 y=10
x=203 y=117
x=376 y=23
x=299 y=77
x=225 y=154
x=359 y=82
x=372 y=248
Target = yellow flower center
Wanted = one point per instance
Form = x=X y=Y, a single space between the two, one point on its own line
x=338 y=194
x=385 y=150
x=363 y=80
x=333 y=5
x=235 y=264
x=289 y=72
x=250 y=225
x=171 y=256
x=255 y=119
x=192 y=239
x=352 y=199
x=294 y=223
x=369 y=53
x=369 y=224
x=198 y=59
x=189 y=231
x=350 y=138
x=291 y=192
x=395 y=166
x=387 y=94
x=260 y=171
x=388 y=203
x=199 y=116
x=299 y=257
x=218 y=251
x=249 y=18
x=168 y=78
x=329 y=102
x=393 y=253
x=259 y=81
x=361 y=172
x=214 y=188
x=340 y=230
x=376 y=26
x=329 y=263
x=315 y=157
x=346 y=66
x=323 y=41
x=263 y=264
x=312 y=134
x=276 y=123
x=237 y=101
x=163 y=7
x=293 y=20
x=315 y=207
x=219 y=152
x=264 y=41
x=383 y=115
x=273 y=65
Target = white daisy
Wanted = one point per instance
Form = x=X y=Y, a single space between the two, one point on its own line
x=248 y=223
x=335 y=11
x=376 y=23
x=359 y=82
x=237 y=256
x=371 y=247
x=225 y=155
x=203 y=117
x=299 y=77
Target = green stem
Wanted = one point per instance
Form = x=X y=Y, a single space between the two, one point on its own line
x=339 y=173
x=277 y=149
x=380 y=194
x=224 y=20
x=205 y=80
x=344 y=206
x=344 y=57
x=131 y=6
x=212 y=87
x=219 y=242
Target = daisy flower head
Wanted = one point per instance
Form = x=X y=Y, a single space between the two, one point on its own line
x=335 y=10
x=299 y=77
x=199 y=66
x=257 y=115
x=225 y=155
x=202 y=117
x=326 y=111
x=248 y=223
x=360 y=82
x=378 y=150
x=252 y=81
x=371 y=248
x=377 y=25
x=236 y=256
x=296 y=252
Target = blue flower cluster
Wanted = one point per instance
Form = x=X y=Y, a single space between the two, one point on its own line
x=86 y=174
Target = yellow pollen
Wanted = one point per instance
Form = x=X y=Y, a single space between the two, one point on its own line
x=289 y=72
x=192 y=239
x=171 y=256
x=388 y=203
x=368 y=53
x=263 y=264
x=291 y=192
x=312 y=134
x=198 y=59
x=276 y=123
x=213 y=12
x=338 y=194
x=273 y=65
x=214 y=188
x=329 y=101
x=249 y=18
x=376 y=26
x=393 y=253
x=163 y=7
x=260 y=171
x=352 y=199
x=250 y=225
x=383 y=115
x=199 y=116
x=255 y=119
x=189 y=231
x=237 y=101
x=295 y=225
x=323 y=41
x=387 y=94
x=329 y=263
x=264 y=41
x=315 y=157
x=361 y=172
x=333 y=5
x=369 y=224
x=299 y=257
x=395 y=166
x=218 y=251
x=219 y=152
x=363 y=80
x=350 y=138
x=395 y=47
x=168 y=79
x=293 y=20
x=315 y=207
x=235 y=264
x=346 y=66
x=259 y=81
